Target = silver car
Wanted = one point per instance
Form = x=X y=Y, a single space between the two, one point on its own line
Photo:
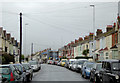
x=35 y=65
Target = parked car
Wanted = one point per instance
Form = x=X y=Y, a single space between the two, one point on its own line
x=70 y=62
x=80 y=63
x=29 y=71
x=53 y=62
x=22 y=70
x=63 y=62
x=66 y=64
x=56 y=62
x=74 y=64
x=94 y=74
x=11 y=73
x=86 y=69
x=110 y=72
x=59 y=63
x=49 y=61
x=35 y=65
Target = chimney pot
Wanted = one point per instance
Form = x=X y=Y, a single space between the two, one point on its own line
x=99 y=31
x=109 y=28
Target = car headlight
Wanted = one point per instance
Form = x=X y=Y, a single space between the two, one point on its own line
x=116 y=76
x=98 y=74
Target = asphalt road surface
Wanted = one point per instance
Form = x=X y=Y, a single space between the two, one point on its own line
x=57 y=73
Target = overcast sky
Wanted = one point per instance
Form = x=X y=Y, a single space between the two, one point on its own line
x=55 y=24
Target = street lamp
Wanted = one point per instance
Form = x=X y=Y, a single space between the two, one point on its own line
x=93 y=6
x=25 y=37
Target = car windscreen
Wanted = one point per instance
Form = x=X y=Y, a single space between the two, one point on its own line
x=116 y=66
x=4 y=70
x=63 y=60
x=89 y=65
x=26 y=66
x=33 y=63
x=99 y=67
x=81 y=62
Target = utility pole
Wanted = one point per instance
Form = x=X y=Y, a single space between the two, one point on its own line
x=20 y=37
x=31 y=50
x=118 y=30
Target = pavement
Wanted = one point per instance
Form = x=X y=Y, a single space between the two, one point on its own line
x=57 y=73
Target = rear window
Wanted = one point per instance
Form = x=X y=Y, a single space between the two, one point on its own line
x=4 y=70
x=33 y=63
x=19 y=67
x=26 y=66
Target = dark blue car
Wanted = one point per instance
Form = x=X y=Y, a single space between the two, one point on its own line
x=86 y=69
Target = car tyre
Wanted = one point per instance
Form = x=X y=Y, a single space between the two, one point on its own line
x=85 y=75
x=95 y=80
x=91 y=79
x=30 y=78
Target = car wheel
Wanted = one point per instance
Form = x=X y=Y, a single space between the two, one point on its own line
x=85 y=75
x=23 y=79
x=30 y=79
x=95 y=79
x=91 y=79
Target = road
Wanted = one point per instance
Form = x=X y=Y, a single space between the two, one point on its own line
x=56 y=73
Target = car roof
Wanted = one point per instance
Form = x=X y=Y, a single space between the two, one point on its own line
x=4 y=65
x=33 y=61
x=25 y=63
x=72 y=59
x=64 y=59
x=98 y=63
x=111 y=60
x=90 y=62
x=81 y=59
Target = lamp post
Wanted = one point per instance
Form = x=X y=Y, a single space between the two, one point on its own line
x=93 y=6
x=25 y=38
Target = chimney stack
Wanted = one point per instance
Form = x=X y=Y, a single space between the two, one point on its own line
x=99 y=31
x=80 y=38
x=91 y=35
x=109 y=28
x=76 y=41
x=72 y=42
x=86 y=37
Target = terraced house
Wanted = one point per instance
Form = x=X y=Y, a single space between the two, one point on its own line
x=104 y=46
x=8 y=45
